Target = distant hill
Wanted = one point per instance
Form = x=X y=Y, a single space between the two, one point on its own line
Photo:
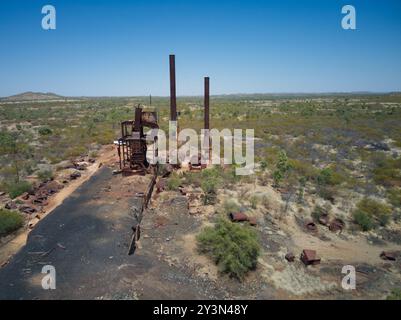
x=33 y=96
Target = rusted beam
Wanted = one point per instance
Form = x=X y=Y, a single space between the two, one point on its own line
x=173 y=98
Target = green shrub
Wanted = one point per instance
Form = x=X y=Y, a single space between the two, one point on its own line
x=173 y=182
x=44 y=131
x=327 y=192
x=394 y=196
x=9 y=221
x=230 y=206
x=395 y=294
x=233 y=247
x=254 y=200
x=18 y=188
x=369 y=211
x=362 y=219
x=328 y=176
x=263 y=165
x=318 y=212
x=387 y=172
x=282 y=168
x=45 y=175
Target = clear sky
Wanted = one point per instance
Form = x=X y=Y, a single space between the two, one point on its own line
x=121 y=47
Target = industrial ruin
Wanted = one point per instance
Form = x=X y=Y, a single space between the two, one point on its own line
x=134 y=143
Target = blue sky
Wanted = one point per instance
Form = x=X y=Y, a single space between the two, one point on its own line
x=122 y=47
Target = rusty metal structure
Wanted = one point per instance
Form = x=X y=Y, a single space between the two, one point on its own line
x=133 y=148
x=173 y=97
x=132 y=145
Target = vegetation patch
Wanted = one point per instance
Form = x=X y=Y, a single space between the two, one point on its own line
x=17 y=188
x=9 y=221
x=234 y=248
x=369 y=213
x=173 y=182
x=395 y=294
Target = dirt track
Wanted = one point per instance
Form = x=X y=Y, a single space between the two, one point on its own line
x=85 y=239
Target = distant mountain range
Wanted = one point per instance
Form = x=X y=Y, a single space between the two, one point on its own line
x=40 y=96
x=33 y=96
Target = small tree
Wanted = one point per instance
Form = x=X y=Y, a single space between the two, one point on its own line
x=282 y=168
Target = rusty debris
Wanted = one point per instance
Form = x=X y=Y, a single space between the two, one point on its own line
x=242 y=217
x=75 y=175
x=308 y=257
x=25 y=196
x=27 y=209
x=337 y=225
x=252 y=221
x=324 y=219
x=386 y=255
x=11 y=205
x=161 y=185
x=311 y=226
x=195 y=164
x=290 y=257
x=238 y=217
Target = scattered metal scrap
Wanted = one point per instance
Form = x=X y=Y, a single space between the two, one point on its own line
x=386 y=255
x=242 y=217
x=336 y=225
x=311 y=226
x=308 y=257
x=290 y=257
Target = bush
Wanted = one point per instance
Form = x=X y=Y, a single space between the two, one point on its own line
x=395 y=294
x=44 y=131
x=45 y=175
x=394 y=196
x=327 y=193
x=233 y=247
x=362 y=219
x=369 y=211
x=9 y=221
x=230 y=206
x=282 y=168
x=387 y=172
x=329 y=177
x=254 y=200
x=318 y=212
x=18 y=188
x=173 y=182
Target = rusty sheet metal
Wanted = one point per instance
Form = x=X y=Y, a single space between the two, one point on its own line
x=252 y=221
x=337 y=225
x=238 y=217
x=309 y=257
x=387 y=255
x=311 y=226
x=290 y=257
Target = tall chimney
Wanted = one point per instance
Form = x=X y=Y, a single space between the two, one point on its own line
x=206 y=102
x=173 y=99
x=206 y=142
